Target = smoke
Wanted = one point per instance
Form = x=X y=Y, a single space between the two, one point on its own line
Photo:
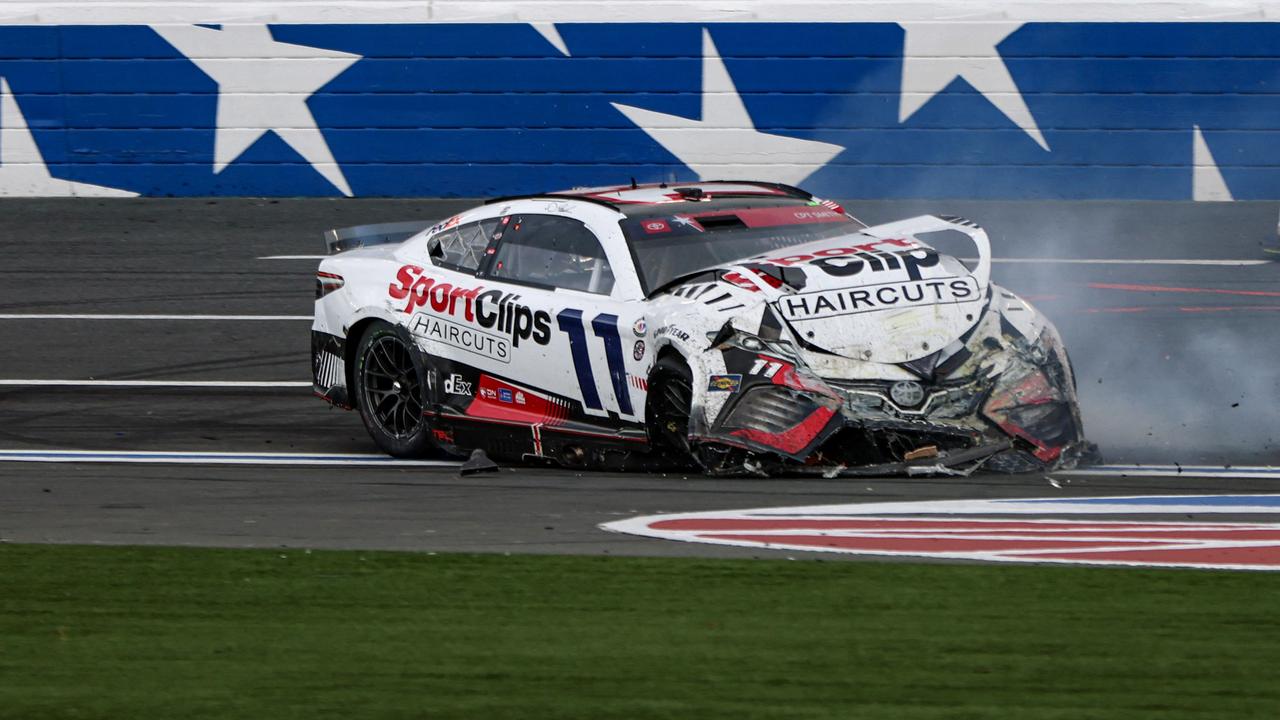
x=1158 y=383
x=1179 y=387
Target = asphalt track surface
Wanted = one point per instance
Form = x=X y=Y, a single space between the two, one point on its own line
x=1176 y=360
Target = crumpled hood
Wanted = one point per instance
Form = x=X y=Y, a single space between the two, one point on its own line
x=880 y=295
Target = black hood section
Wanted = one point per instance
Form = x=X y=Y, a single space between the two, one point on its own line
x=924 y=368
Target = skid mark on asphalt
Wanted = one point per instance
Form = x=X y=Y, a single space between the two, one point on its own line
x=958 y=530
x=1185 y=309
x=215 y=458
x=1186 y=290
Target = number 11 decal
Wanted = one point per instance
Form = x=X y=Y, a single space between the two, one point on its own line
x=605 y=327
x=767 y=368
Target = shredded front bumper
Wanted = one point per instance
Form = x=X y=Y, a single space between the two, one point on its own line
x=827 y=427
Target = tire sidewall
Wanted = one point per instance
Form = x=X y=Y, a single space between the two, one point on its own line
x=668 y=369
x=420 y=442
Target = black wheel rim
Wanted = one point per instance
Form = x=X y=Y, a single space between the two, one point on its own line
x=673 y=413
x=391 y=390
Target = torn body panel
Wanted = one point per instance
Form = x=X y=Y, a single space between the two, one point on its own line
x=1009 y=403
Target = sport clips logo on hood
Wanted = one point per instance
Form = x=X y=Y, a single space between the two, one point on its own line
x=877 y=256
x=877 y=290
x=489 y=309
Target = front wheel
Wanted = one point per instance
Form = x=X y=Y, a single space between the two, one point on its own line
x=668 y=408
x=391 y=392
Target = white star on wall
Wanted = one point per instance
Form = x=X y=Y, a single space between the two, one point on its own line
x=263 y=86
x=549 y=33
x=23 y=172
x=935 y=54
x=1206 y=179
x=724 y=143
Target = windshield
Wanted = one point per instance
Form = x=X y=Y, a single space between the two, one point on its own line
x=676 y=239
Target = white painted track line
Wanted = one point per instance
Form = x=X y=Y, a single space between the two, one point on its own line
x=86 y=316
x=159 y=383
x=293 y=257
x=1118 y=261
x=249 y=458
x=1262 y=472
x=215 y=458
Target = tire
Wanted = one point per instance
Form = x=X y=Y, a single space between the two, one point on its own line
x=391 y=392
x=667 y=409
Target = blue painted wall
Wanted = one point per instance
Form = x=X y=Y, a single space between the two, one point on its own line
x=474 y=110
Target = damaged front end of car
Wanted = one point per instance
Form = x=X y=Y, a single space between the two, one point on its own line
x=1000 y=396
x=1003 y=403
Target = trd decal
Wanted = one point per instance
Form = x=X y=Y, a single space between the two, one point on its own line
x=444 y=225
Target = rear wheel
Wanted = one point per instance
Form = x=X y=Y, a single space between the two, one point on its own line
x=668 y=408
x=391 y=392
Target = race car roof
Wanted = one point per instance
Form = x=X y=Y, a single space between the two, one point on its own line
x=641 y=200
x=626 y=197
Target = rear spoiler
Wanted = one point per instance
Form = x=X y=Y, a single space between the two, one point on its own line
x=350 y=238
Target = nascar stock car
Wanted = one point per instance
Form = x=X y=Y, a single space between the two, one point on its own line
x=729 y=326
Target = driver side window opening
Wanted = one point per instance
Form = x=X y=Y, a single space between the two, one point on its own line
x=462 y=247
x=552 y=251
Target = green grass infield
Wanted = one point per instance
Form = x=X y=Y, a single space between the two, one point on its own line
x=130 y=633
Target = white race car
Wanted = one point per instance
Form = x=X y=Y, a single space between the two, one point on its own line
x=732 y=326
